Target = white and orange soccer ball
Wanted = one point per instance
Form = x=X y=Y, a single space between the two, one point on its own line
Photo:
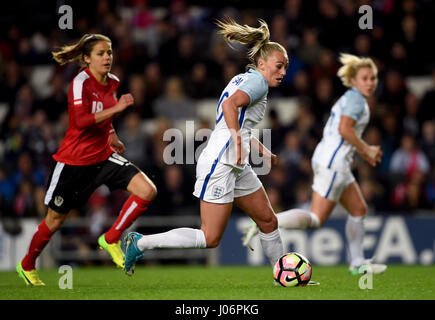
x=292 y=270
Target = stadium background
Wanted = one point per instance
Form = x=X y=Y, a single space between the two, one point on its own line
x=167 y=54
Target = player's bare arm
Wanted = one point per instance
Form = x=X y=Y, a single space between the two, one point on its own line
x=271 y=158
x=115 y=143
x=125 y=101
x=371 y=154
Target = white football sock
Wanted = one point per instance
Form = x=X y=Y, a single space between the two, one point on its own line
x=181 y=238
x=272 y=245
x=354 y=230
x=298 y=219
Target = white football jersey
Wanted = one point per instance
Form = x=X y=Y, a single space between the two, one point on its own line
x=333 y=151
x=220 y=146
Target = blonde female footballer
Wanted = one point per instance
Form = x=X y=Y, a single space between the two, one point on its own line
x=223 y=175
x=331 y=162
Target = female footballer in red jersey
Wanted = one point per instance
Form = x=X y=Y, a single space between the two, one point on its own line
x=89 y=154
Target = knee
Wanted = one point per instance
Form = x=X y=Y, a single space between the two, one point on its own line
x=361 y=211
x=147 y=192
x=212 y=243
x=269 y=224
x=54 y=221
x=152 y=191
x=211 y=240
x=321 y=223
x=54 y=225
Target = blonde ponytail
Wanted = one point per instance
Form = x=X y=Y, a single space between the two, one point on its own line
x=259 y=38
x=78 y=50
x=351 y=65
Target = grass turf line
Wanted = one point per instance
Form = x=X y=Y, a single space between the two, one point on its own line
x=220 y=282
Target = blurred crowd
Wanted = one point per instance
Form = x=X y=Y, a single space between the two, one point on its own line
x=169 y=57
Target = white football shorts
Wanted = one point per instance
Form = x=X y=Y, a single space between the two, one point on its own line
x=330 y=183
x=221 y=183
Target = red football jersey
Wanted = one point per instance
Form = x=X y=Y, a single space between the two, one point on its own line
x=85 y=141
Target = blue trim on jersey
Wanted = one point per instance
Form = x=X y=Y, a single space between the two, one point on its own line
x=330 y=186
x=216 y=161
x=213 y=167
x=335 y=152
x=226 y=94
x=220 y=117
x=242 y=116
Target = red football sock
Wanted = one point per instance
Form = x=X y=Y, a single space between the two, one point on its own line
x=38 y=243
x=131 y=209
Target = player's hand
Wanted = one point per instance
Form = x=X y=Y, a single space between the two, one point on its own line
x=242 y=150
x=274 y=159
x=373 y=155
x=271 y=160
x=125 y=101
x=117 y=144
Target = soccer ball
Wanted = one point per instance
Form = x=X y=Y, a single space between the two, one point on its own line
x=292 y=270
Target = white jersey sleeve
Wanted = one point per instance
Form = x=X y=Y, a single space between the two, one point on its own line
x=354 y=105
x=255 y=87
x=220 y=147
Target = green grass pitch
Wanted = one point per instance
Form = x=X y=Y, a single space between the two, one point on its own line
x=220 y=283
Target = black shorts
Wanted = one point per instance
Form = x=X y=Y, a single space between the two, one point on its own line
x=69 y=187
